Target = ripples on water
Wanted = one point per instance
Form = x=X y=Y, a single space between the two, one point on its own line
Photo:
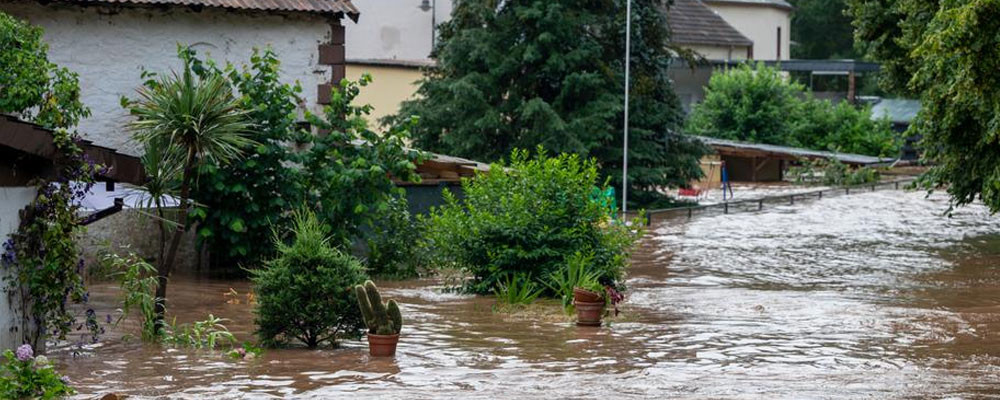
x=871 y=295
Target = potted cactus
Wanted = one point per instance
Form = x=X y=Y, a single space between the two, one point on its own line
x=383 y=320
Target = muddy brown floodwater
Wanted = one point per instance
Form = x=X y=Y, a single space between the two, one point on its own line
x=875 y=295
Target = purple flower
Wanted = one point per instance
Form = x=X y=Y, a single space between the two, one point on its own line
x=64 y=379
x=24 y=352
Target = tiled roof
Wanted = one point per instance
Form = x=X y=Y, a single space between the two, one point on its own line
x=308 y=6
x=692 y=22
x=769 y=3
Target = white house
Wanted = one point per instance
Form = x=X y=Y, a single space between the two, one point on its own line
x=109 y=43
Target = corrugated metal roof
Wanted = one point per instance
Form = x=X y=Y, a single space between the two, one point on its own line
x=692 y=22
x=307 y=6
x=722 y=145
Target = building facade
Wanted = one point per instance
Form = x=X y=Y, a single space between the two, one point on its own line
x=395 y=43
x=109 y=43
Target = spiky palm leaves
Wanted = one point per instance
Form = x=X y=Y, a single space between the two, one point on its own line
x=190 y=119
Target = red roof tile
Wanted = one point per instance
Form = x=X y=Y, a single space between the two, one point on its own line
x=343 y=7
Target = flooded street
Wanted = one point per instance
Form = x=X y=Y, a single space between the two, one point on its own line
x=874 y=295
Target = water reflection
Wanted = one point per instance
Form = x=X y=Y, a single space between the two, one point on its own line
x=873 y=295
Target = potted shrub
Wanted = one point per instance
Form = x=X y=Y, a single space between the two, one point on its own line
x=383 y=320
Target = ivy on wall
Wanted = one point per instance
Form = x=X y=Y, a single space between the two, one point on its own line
x=42 y=259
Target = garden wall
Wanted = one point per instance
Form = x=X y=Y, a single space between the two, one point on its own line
x=139 y=233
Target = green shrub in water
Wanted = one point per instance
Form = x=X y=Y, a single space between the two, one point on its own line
x=517 y=289
x=137 y=280
x=305 y=293
x=24 y=376
x=832 y=173
x=380 y=318
x=578 y=272
x=206 y=334
x=527 y=218
x=396 y=245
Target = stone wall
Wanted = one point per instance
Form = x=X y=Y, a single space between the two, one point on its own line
x=132 y=230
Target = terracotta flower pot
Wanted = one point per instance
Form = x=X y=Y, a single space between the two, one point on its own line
x=586 y=296
x=382 y=345
x=589 y=313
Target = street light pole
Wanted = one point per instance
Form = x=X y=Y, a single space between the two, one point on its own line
x=628 y=56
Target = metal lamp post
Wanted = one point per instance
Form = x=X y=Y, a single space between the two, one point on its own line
x=628 y=56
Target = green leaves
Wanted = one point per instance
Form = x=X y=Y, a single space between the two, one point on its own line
x=760 y=105
x=31 y=85
x=521 y=74
x=529 y=219
x=304 y=293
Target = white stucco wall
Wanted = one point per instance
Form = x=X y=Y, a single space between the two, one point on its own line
x=393 y=29
x=760 y=24
x=109 y=46
x=12 y=200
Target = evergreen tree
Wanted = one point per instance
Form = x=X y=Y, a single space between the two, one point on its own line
x=522 y=73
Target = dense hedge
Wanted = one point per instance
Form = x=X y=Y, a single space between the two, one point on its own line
x=526 y=219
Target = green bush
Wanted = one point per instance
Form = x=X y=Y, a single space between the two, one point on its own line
x=396 y=249
x=527 y=219
x=750 y=104
x=832 y=173
x=306 y=292
x=31 y=85
x=24 y=376
x=759 y=105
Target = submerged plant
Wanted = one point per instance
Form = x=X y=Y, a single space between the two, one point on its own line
x=304 y=293
x=206 y=334
x=517 y=289
x=137 y=280
x=577 y=273
x=381 y=319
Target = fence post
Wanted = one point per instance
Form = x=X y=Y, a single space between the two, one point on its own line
x=821 y=194
x=726 y=208
x=897 y=185
x=689 y=212
x=760 y=204
x=791 y=199
x=847 y=190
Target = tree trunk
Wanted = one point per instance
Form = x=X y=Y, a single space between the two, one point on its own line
x=167 y=264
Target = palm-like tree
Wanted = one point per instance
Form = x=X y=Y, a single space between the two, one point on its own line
x=199 y=120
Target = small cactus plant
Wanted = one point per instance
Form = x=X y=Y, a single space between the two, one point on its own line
x=381 y=319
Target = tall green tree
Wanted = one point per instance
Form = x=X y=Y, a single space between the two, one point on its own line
x=821 y=29
x=886 y=31
x=31 y=85
x=201 y=120
x=523 y=73
x=948 y=53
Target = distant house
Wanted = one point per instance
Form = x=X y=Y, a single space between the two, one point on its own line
x=109 y=43
x=396 y=44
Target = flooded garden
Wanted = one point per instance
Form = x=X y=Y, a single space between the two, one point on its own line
x=869 y=295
